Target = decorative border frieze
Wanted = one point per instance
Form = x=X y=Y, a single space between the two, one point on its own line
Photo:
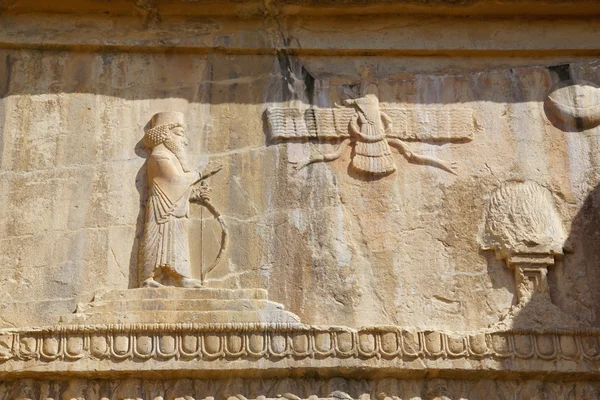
x=277 y=341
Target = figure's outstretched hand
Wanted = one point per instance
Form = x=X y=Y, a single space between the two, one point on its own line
x=297 y=165
x=207 y=173
x=202 y=176
x=211 y=170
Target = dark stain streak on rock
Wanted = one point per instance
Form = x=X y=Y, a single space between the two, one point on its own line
x=8 y=74
x=288 y=71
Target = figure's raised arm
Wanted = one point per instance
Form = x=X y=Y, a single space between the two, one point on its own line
x=164 y=171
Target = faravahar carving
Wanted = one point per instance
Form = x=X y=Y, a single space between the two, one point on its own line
x=164 y=257
x=372 y=130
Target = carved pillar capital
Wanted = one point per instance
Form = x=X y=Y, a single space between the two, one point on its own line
x=531 y=272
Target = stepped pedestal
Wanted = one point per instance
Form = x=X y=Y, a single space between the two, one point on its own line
x=178 y=305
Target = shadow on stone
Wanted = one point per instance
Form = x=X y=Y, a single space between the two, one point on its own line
x=524 y=229
x=578 y=276
x=141 y=185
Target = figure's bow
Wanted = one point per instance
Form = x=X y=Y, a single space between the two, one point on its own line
x=203 y=199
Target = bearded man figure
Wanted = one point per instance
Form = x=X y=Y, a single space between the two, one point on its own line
x=164 y=257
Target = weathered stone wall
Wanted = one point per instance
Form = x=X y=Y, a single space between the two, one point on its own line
x=333 y=246
x=473 y=258
x=72 y=162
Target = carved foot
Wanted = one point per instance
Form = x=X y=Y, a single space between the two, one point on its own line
x=191 y=283
x=151 y=283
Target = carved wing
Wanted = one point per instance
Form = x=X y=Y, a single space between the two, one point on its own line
x=287 y=123
x=312 y=123
x=433 y=123
x=421 y=122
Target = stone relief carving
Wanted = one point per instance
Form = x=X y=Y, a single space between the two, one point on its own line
x=164 y=251
x=523 y=227
x=70 y=348
x=298 y=389
x=164 y=256
x=75 y=86
x=371 y=130
x=173 y=305
x=574 y=105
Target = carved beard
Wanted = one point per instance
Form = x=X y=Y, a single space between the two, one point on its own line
x=178 y=148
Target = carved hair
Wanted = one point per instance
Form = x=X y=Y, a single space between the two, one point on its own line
x=158 y=135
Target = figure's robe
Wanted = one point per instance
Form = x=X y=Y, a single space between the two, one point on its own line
x=372 y=157
x=165 y=246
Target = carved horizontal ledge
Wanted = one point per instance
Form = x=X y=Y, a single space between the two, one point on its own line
x=478 y=37
x=277 y=349
x=167 y=48
x=319 y=8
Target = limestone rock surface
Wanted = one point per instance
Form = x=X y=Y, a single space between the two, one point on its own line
x=415 y=184
x=173 y=305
